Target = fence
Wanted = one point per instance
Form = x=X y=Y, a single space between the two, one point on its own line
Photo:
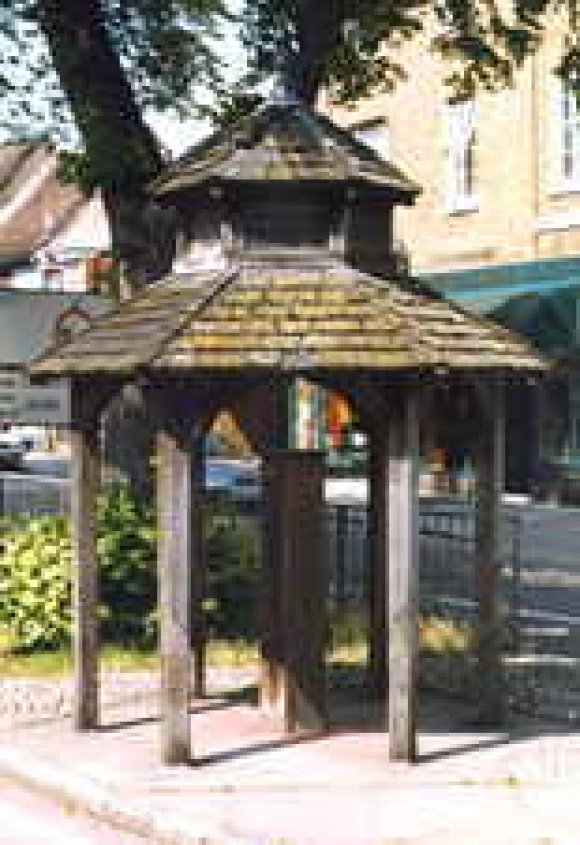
x=540 y=590
x=33 y=494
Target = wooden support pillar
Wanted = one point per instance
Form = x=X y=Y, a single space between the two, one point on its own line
x=303 y=587
x=272 y=684
x=490 y=473
x=269 y=410
x=197 y=568
x=85 y=572
x=403 y=581
x=174 y=498
x=378 y=593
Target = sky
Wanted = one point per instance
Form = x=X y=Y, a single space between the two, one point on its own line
x=177 y=135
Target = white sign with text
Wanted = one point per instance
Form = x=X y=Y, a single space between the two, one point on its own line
x=23 y=403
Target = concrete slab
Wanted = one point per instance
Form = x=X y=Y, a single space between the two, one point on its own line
x=251 y=784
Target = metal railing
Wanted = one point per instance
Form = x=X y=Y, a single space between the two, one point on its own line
x=540 y=589
x=35 y=495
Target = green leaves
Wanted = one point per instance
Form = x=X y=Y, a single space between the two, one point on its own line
x=127 y=552
x=232 y=549
x=167 y=48
x=352 y=46
x=35 y=583
x=35 y=575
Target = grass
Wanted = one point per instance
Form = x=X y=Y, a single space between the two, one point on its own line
x=348 y=648
x=57 y=664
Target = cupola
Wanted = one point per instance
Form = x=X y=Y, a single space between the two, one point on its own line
x=284 y=183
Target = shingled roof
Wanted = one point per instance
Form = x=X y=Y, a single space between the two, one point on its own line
x=282 y=142
x=268 y=318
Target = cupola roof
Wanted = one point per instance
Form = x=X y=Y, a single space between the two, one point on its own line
x=284 y=141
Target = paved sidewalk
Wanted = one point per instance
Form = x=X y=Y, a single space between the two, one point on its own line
x=254 y=786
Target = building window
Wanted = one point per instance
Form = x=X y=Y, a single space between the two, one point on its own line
x=375 y=134
x=461 y=157
x=568 y=123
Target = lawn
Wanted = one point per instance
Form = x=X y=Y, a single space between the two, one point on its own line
x=55 y=664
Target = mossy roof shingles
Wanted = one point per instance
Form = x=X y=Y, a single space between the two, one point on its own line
x=275 y=318
x=282 y=142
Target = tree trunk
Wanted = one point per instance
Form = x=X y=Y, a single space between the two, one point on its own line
x=123 y=157
x=128 y=441
x=122 y=151
x=318 y=26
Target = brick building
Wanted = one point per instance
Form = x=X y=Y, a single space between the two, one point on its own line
x=497 y=226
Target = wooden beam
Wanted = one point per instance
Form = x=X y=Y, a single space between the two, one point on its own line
x=403 y=580
x=174 y=498
x=197 y=567
x=85 y=573
x=264 y=412
x=490 y=461
x=303 y=588
x=273 y=676
x=378 y=581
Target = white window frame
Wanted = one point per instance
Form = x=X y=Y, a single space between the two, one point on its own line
x=566 y=117
x=461 y=193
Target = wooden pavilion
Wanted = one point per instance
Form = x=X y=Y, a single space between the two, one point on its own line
x=286 y=269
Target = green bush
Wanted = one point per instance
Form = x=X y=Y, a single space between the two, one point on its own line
x=127 y=552
x=35 y=582
x=35 y=593
x=232 y=549
x=35 y=569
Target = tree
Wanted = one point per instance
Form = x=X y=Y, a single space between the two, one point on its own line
x=349 y=46
x=100 y=64
x=92 y=69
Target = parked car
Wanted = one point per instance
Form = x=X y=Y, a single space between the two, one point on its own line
x=53 y=464
x=237 y=478
x=11 y=449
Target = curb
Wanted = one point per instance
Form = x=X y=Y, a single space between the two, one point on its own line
x=96 y=802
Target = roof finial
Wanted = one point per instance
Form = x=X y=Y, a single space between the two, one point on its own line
x=282 y=93
x=284 y=90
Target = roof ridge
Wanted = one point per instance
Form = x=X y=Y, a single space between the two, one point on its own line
x=318 y=148
x=222 y=282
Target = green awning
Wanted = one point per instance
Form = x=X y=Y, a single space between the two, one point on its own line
x=540 y=300
x=485 y=289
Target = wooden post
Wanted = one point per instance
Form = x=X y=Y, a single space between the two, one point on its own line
x=490 y=466
x=303 y=588
x=174 y=502
x=403 y=449
x=272 y=683
x=197 y=569
x=85 y=573
x=270 y=408
x=378 y=593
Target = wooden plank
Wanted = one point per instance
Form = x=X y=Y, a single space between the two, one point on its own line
x=197 y=568
x=378 y=592
x=403 y=581
x=273 y=676
x=85 y=574
x=174 y=575
x=490 y=470
x=304 y=581
x=263 y=411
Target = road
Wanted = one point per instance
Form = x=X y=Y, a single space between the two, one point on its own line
x=29 y=819
x=546 y=554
